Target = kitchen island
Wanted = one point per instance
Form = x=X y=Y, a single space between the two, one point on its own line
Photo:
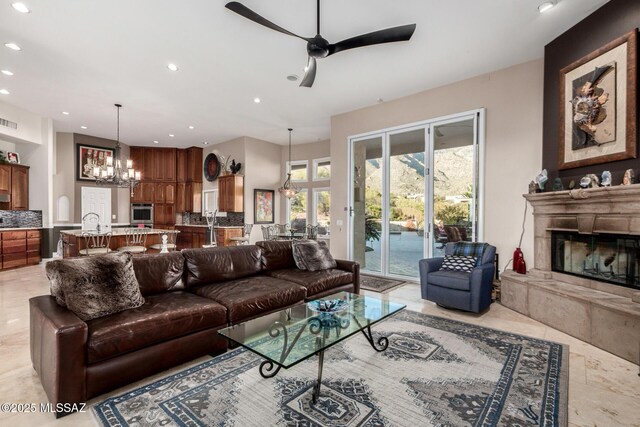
x=194 y=236
x=73 y=241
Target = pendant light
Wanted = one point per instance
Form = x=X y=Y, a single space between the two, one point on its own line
x=109 y=172
x=289 y=189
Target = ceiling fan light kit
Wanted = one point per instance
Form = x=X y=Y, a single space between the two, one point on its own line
x=318 y=47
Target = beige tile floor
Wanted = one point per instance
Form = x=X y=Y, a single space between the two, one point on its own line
x=604 y=390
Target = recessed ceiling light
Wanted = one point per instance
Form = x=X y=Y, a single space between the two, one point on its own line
x=155 y=142
x=257 y=100
x=20 y=7
x=7 y=73
x=13 y=46
x=292 y=77
x=83 y=127
x=546 y=6
x=66 y=113
x=4 y=92
x=171 y=135
x=205 y=142
x=191 y=127
x=172 y=67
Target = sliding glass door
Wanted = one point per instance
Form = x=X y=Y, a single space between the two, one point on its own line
x=412 y=190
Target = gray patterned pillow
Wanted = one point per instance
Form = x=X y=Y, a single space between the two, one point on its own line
x=311 y=255
x=96 y=286
x=459 y=263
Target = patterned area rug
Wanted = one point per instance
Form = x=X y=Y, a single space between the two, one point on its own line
x=379 y=284
x=435 y=372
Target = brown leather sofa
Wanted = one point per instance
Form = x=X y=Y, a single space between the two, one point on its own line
x=189 y=296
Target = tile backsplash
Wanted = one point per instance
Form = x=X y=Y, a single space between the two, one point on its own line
x=17 y=219
x=232 y=219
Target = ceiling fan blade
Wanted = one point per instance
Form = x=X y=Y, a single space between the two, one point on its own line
x=310 y=74
x=389 y=35
x=242 y=10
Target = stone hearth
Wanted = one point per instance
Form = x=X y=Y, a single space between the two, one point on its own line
x=603 y=314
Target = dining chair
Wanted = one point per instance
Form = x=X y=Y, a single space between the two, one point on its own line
x=95 y=244
x=135 y=239
x=246 y=235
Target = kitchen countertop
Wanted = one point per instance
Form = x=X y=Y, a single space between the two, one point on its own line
x=20 y=228
x=115 y=231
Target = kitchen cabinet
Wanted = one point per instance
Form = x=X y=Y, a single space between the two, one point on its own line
x=194 y=164
x=5 y=179
x=181 y=165
x=14 y=181
x=163 y=215
x=189 y=197
x=20 y=248
x=19 y=188
x=231 y=193
x=144 y=193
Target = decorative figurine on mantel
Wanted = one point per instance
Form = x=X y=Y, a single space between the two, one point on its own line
x=589 y=181
x=557 y=185
x=629 y=177
x=541 y=179
x=572 y=184
x=532 y=187
x=605 y=181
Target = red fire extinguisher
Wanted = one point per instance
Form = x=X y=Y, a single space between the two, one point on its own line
x=519 y=266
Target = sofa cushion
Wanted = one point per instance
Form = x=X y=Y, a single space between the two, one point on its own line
x=450 y=279
x=311 y=255
x=251 y=296
x=163 y=317
x=315 y=281
x=97 y=286
x=277 y=255
x=211 y=265
x=159 y=273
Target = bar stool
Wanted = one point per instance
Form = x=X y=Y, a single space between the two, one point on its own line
x=135 y=241
x=171 y=241
x=95 y=243
x=246 y=236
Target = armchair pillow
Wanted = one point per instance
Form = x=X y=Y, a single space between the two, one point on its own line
x=97 y=286
x=312 y=255
x=470 y=249
x=460 y=263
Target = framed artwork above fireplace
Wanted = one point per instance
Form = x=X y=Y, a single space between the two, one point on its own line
x=598 y=106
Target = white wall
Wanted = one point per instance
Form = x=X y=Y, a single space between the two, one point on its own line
x=513 y=101
x=34 y=141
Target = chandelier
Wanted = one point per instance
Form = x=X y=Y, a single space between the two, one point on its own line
x=111 y=173
x=289 y=189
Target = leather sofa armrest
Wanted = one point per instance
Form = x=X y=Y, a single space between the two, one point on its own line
x=352 y=267
x=58 y=348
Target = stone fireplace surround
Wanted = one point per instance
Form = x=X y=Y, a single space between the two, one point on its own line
x=602 y=314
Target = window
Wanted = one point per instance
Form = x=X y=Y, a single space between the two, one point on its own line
x=322 y=169
x=299 y=170
x=297 y=211
x=322 y=208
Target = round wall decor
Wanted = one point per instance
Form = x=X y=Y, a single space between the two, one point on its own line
x=211 y=167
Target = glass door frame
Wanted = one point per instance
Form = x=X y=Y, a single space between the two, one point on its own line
x=479 y=128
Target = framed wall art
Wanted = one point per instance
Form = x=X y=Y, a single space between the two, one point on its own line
x=88 y=156
x=263 y=206
x=598 y=105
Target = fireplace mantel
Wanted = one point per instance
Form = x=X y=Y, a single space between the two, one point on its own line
x=603 y=314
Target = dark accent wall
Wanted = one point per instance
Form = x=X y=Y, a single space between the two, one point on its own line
x=611 y=21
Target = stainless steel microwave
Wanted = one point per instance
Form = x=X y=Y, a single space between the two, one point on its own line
x=141 y=213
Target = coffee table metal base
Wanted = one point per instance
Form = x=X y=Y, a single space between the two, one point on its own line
x=268 y=369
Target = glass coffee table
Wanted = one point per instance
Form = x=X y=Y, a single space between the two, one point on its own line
x=287 y=337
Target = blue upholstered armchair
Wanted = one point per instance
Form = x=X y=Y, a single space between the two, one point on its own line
x=457 y=289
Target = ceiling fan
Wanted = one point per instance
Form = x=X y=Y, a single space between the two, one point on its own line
x=318 y=47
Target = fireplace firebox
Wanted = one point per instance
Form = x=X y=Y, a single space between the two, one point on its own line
x=608 y=257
